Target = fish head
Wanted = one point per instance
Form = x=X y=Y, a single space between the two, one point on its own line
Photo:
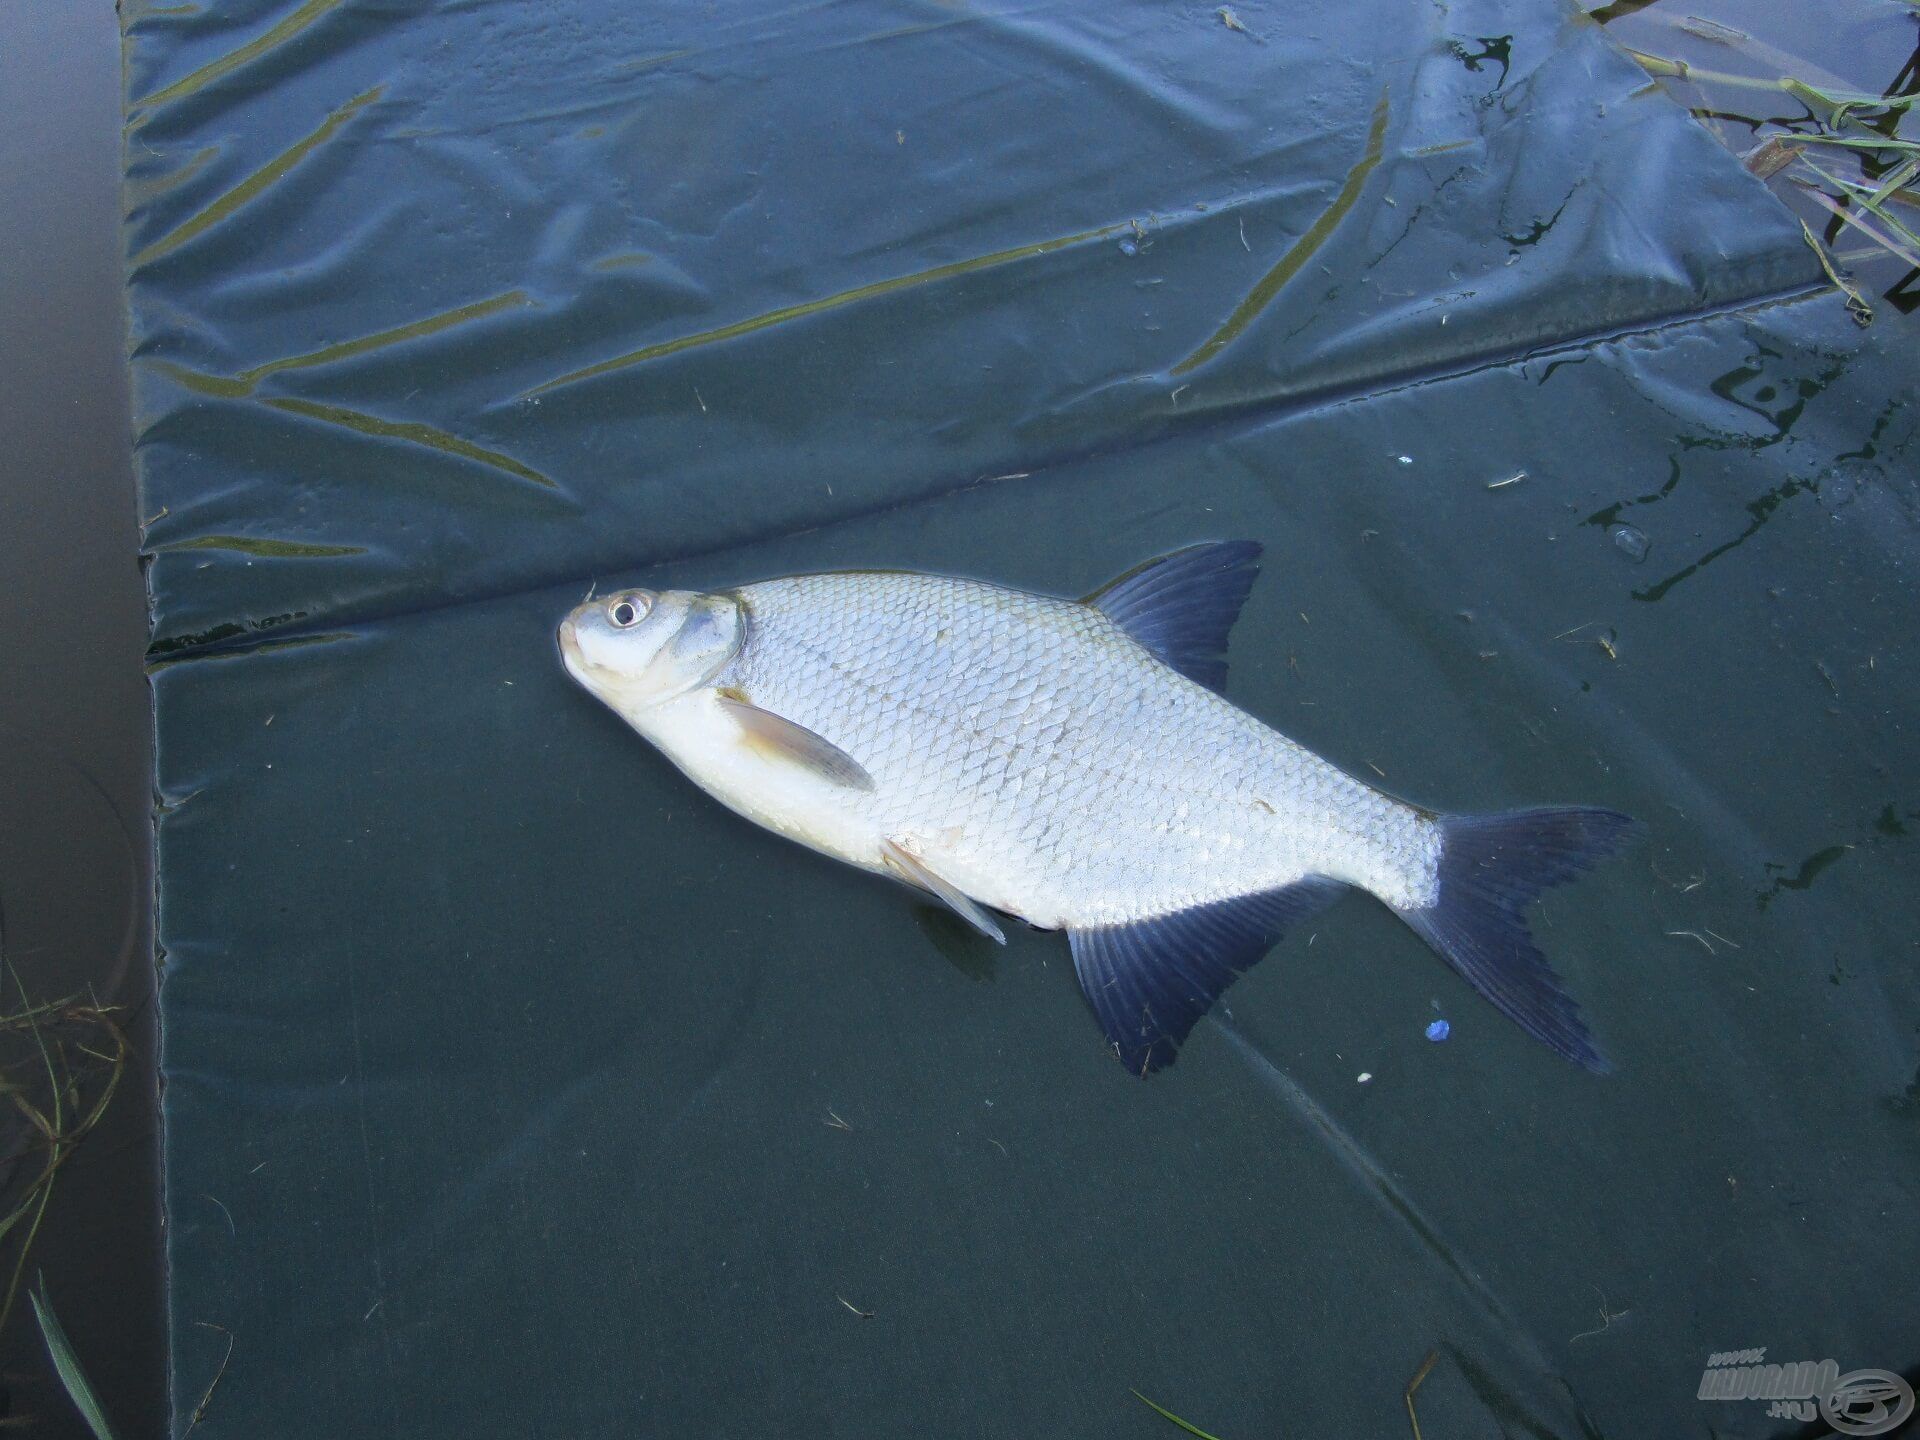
x=636 y=649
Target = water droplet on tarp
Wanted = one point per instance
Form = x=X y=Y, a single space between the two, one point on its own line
x=1630 y=542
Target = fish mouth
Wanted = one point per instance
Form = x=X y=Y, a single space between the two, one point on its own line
x=569 y=640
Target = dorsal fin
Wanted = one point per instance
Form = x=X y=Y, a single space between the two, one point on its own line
x=1151 y=981
x=1180 y=607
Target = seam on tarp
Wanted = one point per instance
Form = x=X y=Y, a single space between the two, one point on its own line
x=1249 y=414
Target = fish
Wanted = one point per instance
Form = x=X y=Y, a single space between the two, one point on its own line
x=1073 y=764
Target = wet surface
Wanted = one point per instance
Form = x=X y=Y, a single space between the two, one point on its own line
x=481 y=1023
x=565 y=358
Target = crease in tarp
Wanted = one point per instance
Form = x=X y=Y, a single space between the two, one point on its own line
x=1242 y=196
x=804 y=308
x=1184 y=213
x=140 y=189
x=573 y=110
x=1302 y=250
x=215 y=70
x=210 y=649
x=1505 y=1406
x=246 y=381
x=1097 y=61
x=413 y=432
x=244 y=384
x=233 y=637
x=1393 y=1198
x=255 y=185
x=262 y=547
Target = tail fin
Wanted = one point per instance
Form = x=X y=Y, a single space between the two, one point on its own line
x=1491 y=868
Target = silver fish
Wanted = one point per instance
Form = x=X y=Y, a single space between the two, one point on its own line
x=1072 y=763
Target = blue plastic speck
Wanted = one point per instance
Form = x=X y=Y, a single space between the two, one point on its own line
x=1438 y=1031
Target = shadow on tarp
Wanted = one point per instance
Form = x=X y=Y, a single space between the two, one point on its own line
x=496 y=1039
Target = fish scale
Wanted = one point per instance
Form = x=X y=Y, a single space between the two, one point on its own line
x=1092 y=783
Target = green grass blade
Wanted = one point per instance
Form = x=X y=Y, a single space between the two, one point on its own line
x=1839 y=104
x=1897 y=238
x=1857 y=304
x=1896 y=180
x=1858 y=142
x=1817 y=101
x=1865 y=196
x=79 y=1388
x=1165 y=1413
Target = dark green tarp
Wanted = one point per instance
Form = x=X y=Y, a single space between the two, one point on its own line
x=512 y=1087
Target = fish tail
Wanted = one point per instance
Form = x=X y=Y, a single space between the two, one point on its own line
x=1492 y=867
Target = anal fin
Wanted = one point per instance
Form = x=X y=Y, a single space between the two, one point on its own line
x=915 y=872
x=1150 y=982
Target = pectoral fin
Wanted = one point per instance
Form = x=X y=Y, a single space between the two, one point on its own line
x=916 y=873
x=776 y=736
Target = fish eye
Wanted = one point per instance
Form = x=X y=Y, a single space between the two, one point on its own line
x=627 y=611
